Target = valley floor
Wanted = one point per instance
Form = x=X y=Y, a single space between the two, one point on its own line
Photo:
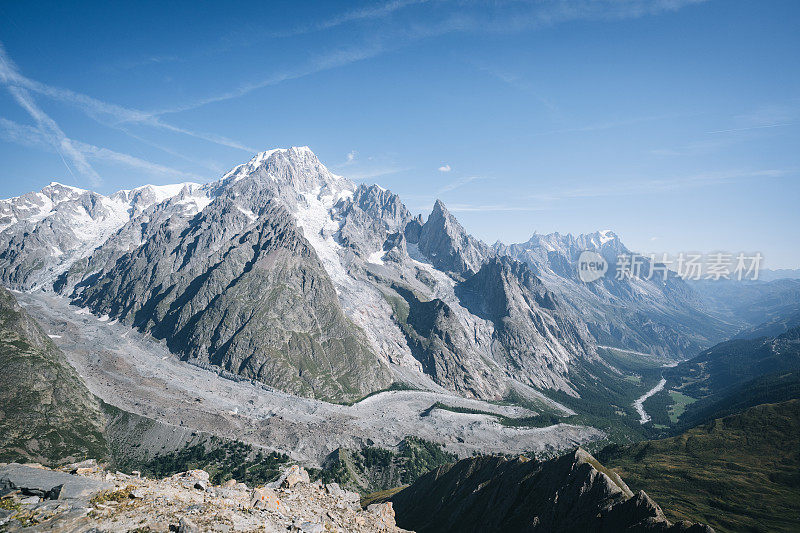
x=138 y=374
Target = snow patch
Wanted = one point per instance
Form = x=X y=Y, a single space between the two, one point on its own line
x=362 y=302
x=376 y=257
x=606 y=235
x=246 y=212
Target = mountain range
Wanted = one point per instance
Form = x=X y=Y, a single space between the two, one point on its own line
x=285 y=273
x=284 y=313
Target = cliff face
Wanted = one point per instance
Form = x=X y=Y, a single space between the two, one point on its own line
x=250 y=296
x=486 y=494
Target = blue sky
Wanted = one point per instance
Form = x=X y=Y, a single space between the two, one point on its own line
x=675 y=123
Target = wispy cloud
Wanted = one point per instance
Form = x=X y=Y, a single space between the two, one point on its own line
x=517 y=82
x=103 y=112
x=763 y=117
x=32 y=137
x=326 y=61
x=518 y=17
x=149 y=60
x=444 y=168
x=660 y=185
x=750 y=128
x=366 y=13
x=503 y=18
x=471 y=208
x=46 y=126
x=453 y=185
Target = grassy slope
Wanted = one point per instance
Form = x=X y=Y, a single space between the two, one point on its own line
x=738 y=473
x=46 y=413
x=727 y=378
x=375 y=469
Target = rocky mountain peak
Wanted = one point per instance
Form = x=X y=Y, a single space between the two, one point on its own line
x=287 y=170
x=58 y=192
x=448 y=246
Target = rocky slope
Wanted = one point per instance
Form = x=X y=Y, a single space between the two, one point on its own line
x=90 y=499
x=46 y=412
x=43 y=233
x=571 y=493
x=137 y=374
x=662 y=317
x=288 y=274
x=218 y=272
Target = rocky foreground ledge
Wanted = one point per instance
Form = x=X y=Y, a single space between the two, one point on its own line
x=84 y=497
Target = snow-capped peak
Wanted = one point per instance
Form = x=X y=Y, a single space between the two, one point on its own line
x=55 y=184
x=606 y=235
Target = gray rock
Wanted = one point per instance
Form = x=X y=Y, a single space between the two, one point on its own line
x=449 y=247
x=49 y=484
x=186 y=525
x=43 y=233
x=311 y=527
x=238 y=286
x=651 y=316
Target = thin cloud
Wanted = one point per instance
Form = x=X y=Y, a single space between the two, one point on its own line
x=659 y=186
x=366 y=13
x=519 y=18
x=34 y=138
x=470 y=208
x=103 y=112
x=327 y=61
x=750 y=128
x=445 y=168
x=460 y=183
x=48 y=127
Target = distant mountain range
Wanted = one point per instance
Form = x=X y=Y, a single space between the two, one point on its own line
x=288 y=281
x=288 y=274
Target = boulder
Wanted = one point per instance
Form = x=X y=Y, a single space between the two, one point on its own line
x=83 y=468
x=292 y=476
x=265 y=498
x=194 y=475
x=383 y=513
x=48 y=484
x=334 y=490
x=186 y=525
x=311 y=527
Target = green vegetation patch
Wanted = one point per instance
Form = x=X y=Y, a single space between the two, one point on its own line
x=738 y=473
x=223 y=460
x=538 y=421
x=373 y=469
x=679 y=403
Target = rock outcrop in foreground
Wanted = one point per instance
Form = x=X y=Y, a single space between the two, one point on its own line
x=89 y=499
x=571 y=493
